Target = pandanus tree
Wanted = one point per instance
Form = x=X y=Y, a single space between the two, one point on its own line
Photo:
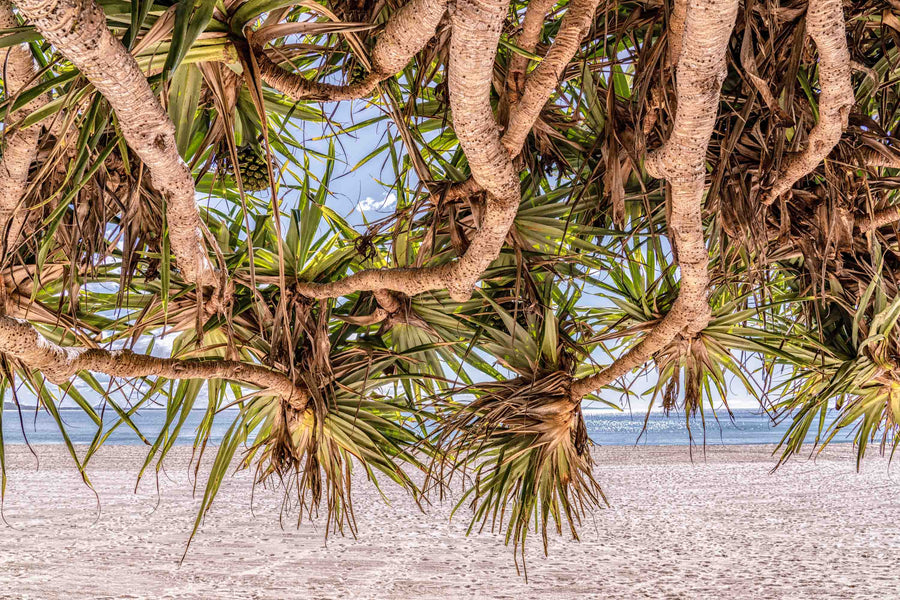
x=586 y=191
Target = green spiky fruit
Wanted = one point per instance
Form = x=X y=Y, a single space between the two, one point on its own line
x=253 y=169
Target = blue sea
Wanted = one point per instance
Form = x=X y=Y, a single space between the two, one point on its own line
x=607 y=428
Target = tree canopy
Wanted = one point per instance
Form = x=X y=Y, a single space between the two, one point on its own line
x=701 y=190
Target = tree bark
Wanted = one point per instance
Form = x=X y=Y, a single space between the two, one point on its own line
x=543 y=80
x=21 y=340
x=20 y=147
x=682 y=162
x=879 y=219
x=78 y=29
x=675 y=32
x=527 y=40
x=882 y=157
x=405 y=35
x=825 y=24
x=476 y=26
x=473 y=45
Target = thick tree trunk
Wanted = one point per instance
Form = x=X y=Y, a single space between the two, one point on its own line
x=78 y=29
x=682 y=161
x=20 y=340
x=825 y=24
x=675 y=31
x=473 y=45
x=476 y=33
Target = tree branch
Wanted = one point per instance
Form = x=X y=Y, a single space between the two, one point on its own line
x=527 y=40
x=405 y=35
x=21 y=340
x=877 y=155
x=879 y=219
x=473 y=45
x=543 y=80
x=675 y=32
x=682 y=161
x=78 y=29
x=472 y=53
x=825 y=23
x=19 y=147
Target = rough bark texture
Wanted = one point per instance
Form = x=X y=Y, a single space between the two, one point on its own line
x=879 y=219
x=20 y=147
x=78 y=29
x=882 y=157
x=545 y=77
x=527 y=40
x=475 y=35
x=682 y=162
x=409 y=281
x=825 y=24
x=406 y=34
x=565 y=46
x=879 y=156
x=676 y=31
x=298 y=87
x=21 y=340
x=473 y=45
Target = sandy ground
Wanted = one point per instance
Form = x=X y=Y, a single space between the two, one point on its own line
x=723 y=527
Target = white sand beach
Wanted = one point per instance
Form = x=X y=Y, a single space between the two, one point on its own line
x=722 y=526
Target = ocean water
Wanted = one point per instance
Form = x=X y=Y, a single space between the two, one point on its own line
x=607 y=428
x=611 y=428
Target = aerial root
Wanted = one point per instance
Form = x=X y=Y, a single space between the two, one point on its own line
x=475 y=34
x=825 y=24
x=682 y=162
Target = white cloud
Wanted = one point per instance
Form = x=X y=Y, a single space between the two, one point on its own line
x=372 y=204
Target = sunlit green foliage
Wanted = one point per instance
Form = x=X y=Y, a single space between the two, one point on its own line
x=474 y=393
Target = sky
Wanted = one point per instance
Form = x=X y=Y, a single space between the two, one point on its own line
x=358 y=194
x=360 y=197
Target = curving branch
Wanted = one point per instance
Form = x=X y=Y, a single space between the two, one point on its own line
x=682 y=162
x=878 y=155
x=19 y=339
x=20 y=147
x=477 y=25
x=405 y=35
x=527 y=40
x=884 y=157
x=543 y=80
x=78 y=29
x=473 y=45
x=539 y=86
x=825 y=24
